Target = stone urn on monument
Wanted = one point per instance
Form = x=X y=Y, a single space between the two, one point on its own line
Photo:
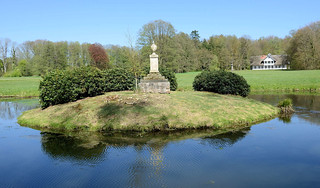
x=154 y=82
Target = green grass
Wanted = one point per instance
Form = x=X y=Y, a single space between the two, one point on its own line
x=19 y=86
x=147 y=112
x=267 y=81
x=260 y=81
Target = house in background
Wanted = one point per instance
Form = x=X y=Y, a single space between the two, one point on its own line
x=269 y=62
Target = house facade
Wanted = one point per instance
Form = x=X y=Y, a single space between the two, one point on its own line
x=269 y=62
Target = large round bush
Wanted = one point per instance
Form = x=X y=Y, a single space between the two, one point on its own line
x=221 y=82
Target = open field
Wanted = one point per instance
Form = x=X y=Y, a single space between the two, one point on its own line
x=19 y=86
x=262 y=81
x=148 y=112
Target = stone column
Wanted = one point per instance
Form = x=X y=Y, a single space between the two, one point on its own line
x=154 y=65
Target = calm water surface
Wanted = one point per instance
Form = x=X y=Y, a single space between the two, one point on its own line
x=279 y=153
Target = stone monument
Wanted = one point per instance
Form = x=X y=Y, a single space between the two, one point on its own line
x=154 y=82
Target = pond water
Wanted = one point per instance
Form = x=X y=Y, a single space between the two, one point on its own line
x=282 y=152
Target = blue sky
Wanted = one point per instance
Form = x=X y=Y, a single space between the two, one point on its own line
x=110 y=22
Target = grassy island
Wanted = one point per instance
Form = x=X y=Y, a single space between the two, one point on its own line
x=150 y=112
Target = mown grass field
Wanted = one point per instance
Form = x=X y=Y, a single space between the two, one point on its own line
x=19 y=86
x=147 y=112
x=267 y=81
x=260 y=81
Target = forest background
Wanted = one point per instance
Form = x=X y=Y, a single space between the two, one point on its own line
x=178 y=51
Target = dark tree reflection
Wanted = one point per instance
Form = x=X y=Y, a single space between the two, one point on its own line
x=70 y=148
x=226 y=139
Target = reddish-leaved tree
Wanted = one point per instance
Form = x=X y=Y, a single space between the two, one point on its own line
x=99 y=56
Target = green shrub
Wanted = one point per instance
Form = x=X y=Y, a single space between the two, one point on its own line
x=118 y=79
x=171 y=77
x=286 y=108
x=14 y=73
x=285 y=103
x=60 y=87
x=168 y=74
x=221 y=82
x=24 y=67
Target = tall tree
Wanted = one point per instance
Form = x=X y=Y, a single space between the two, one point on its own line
x=85 y=54
x=162 y=34
x=61 y=53
x=99 y=56
x=74 y=54
x=185 y=54
x=304 y=47
x=245 y=44
x=4 y=47
x=195 y=37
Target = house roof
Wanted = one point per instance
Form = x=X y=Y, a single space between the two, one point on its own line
x=279 y=59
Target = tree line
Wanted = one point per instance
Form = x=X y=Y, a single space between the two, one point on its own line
x=38 y=57
x=179 y=52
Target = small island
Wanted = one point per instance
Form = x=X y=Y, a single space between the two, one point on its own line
x=127 y=111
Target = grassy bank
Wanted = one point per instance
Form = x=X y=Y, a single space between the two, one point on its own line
x=261 y=81
x=19 y=86
x=146 y=112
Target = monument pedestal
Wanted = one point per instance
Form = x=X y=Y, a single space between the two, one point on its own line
x=154 y=83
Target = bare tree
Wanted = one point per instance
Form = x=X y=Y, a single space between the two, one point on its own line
x=133 y=59
x=4 y=46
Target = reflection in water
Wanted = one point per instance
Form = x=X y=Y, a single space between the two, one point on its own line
x=11 y=110
x=227 y=139
x=89 y=146
x=306 y=107
x=74 y=149
x=285 y=118
x=148 y=162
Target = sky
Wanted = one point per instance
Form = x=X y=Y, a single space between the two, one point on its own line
x=114 y=22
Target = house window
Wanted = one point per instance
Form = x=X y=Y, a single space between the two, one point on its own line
x=272 y=66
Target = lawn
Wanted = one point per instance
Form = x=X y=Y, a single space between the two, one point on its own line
x=261 y=81
x=19 y=86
